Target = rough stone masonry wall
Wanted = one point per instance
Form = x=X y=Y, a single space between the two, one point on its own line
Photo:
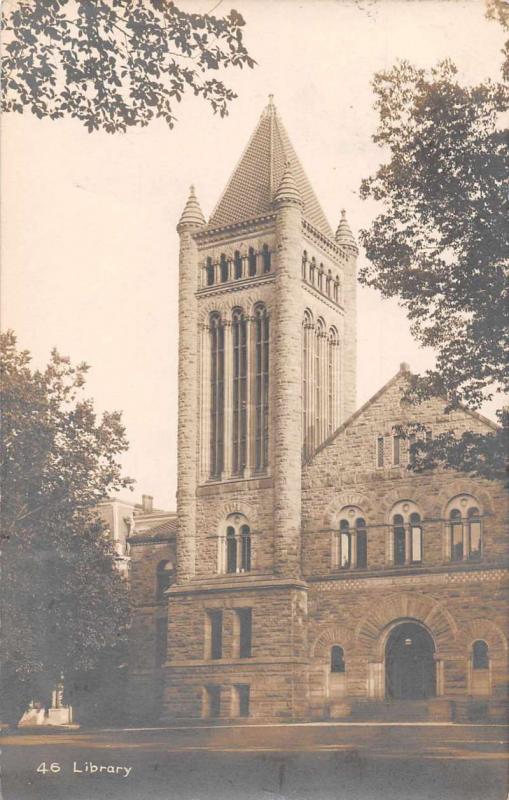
x=145 y=687
x=275 y=671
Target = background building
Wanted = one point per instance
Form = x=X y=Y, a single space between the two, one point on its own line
x=316 y=575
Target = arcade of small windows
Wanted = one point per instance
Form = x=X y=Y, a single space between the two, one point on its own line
x=350 y=543
x=249 y=264
x=239 y=371
x=234 y=546
x=321 y=279
x=321 y=356
x=464 y=529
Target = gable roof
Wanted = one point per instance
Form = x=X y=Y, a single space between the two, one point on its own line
x=250 y=191
x=403 y=370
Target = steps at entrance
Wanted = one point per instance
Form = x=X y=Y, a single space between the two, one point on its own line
x=395 y=711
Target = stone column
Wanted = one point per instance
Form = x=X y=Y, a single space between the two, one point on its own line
x=192 y=219
x=286 y=375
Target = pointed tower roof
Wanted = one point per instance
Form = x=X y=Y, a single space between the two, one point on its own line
x=251 y=189
x=192 y=214
x=344 y=235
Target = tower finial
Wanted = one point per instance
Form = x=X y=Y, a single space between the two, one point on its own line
x=344 y=235
x=192 y=215
x=288 y=191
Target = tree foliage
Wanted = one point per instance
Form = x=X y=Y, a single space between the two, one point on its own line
x=115 y=63
x=440 y=243
x=64 y=603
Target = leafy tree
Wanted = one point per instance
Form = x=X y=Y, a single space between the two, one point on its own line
x=65 y=606
x=116 y=63
x=441 y=241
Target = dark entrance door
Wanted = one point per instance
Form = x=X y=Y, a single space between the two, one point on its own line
x=409 y=663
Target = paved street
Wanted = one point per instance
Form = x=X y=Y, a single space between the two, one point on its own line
x=294 y=762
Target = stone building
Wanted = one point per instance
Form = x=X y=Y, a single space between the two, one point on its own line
x=317 y=576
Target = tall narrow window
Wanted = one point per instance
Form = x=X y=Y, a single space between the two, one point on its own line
x=242 y=699
x=361 y=543
x=262 y=389
x=210 y=272
x=412 y=438
x=216 y=396
x=337 y=659
x=251 y=262
x=474 y=534
x=231 y=550
x=237 y=265
x=330 y=384
x=307 y=419
x=399 y=539
x=215 y=621
x=244 y=629
x=266 y=258
x=304 y=264
x=380 y=451
x=223 y=268
x=319 y=384
x=480 y=655
x=312 y=271
x=456 y=526
x=345 y=544
x=239 y=420
x=396 y=450
x=416 y=538
x=245 y=548
x=336 y=289
x=212 y=701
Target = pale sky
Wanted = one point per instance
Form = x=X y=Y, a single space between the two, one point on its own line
x=89 y=247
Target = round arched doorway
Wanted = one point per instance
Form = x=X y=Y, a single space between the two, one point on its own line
x=410 y=672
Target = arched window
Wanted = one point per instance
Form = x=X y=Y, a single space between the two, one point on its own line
x=231 y=549
x=345 y=544
x=236 y=545
x=407 y=533
x=307 y=385
x=415 y=538
x=319 y=369
x=164 y=578
x=266 y=258
x=261 y=389
x=245 y=548
x=329 y=282
x=209 y=269
x=336 y=289
x=312 y=271
x=320 y=278
x=465 y=528
x=399 y=539
x=223 y=268
x=251 y=262
x=456 y=535
x=480 y=655
x=216 y=396
x=304 y=264
x=474 y=533
x=239 y=405
x=351 y=541
x=332 y=380
x=237 y=264
x=337 y=659
x=361 y=540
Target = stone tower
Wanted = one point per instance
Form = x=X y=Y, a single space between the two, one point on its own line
x=266 y=375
